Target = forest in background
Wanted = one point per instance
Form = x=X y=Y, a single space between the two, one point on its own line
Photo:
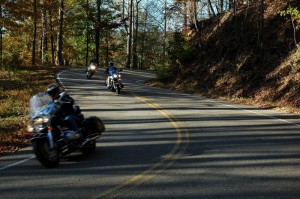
x=134 y=33
x=249 y=55
x=239 y=50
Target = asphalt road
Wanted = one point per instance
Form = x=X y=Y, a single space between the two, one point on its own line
x=164 y=144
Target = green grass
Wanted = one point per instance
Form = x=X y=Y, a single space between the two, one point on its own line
x=17 y=86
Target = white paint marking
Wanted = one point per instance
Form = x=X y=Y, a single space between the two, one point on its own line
x=16 y=163
x=246 y=110
x=27 y=159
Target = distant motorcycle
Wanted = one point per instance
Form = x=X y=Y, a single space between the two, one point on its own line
x=91 y=70
x=114 y=81
x=52 y=138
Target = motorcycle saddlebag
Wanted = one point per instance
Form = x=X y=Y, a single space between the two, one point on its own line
x=93 y=125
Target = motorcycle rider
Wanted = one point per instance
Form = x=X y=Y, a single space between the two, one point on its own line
x=65 y=110
x=111 y=70
x=94 y=60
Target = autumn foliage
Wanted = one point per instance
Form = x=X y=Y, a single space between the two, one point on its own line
x=229 y=62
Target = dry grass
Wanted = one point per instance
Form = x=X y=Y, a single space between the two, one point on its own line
x=17 y=87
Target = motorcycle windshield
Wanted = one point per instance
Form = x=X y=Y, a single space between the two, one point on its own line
x=41 y=103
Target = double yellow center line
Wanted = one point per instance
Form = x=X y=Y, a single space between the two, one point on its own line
x=167 y=160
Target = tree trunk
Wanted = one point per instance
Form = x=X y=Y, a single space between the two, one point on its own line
x=260 y=27
x=221 y=5
x=123 y=9
x=59 y=58
x=87 y=35
x=208 y=8
x=135 y=38
x=141 y=64
x=211 y=7
x=196 y=16
x=185 y=17
x=44 y=33
x=1 y=37
x=233 y=6
x=129 y=36
x=165 y=34
x=97 y=28
x=51 y=35
x=34 y=33
x=107 y=47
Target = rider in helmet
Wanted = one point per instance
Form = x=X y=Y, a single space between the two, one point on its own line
x=94 y=60
x=53 y=91
x=111 y=70
x=65 y=101
x=65 y=109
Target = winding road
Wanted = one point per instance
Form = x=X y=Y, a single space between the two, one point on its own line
x=163 y=144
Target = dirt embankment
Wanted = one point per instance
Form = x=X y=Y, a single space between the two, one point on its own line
x=230 y=64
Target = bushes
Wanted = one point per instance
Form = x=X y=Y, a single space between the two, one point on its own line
x=293 y=14
x=180 y=52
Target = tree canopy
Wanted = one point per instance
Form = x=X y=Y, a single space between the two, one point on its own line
x=134 y=33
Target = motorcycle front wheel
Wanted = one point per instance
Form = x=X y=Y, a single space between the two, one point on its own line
x=88 y=76
x=118 y=89
x=48 y=157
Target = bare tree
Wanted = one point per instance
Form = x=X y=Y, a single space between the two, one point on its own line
x=44 y=32
x=210 y=7
x=233 y=6
x=165 y=32
x=185 y=13
x=1 y=38
x=260 y=26
x=129 y=35
x=97 y=28
x=87 y=34
x=51 y=33
x=135 y=38
x=221 y=5
x=195 y=15
x=123 y=9
x=59 y=58
x=142 y=49
x=34 y=33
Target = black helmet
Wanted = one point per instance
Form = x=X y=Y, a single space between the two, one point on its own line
x=111 y=63
x=53 y=90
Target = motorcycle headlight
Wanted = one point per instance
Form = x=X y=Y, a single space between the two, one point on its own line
x=40 y=120
x=115 y=76
x=93 y=67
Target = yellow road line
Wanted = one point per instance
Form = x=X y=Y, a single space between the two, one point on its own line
x=156 y=168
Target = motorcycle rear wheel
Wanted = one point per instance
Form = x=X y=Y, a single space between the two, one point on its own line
x=48 y=157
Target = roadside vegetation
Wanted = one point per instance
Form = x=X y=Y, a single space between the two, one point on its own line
x=230 y=58
x=17 y=87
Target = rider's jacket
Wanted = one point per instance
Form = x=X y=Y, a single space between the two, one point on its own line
x=111 y=70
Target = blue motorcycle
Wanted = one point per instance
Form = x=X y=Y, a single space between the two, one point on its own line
x=52 y=137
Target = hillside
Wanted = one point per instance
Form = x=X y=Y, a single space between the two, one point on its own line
x=228 y=64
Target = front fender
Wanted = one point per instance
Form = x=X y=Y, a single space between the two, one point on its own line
x=37 y=139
